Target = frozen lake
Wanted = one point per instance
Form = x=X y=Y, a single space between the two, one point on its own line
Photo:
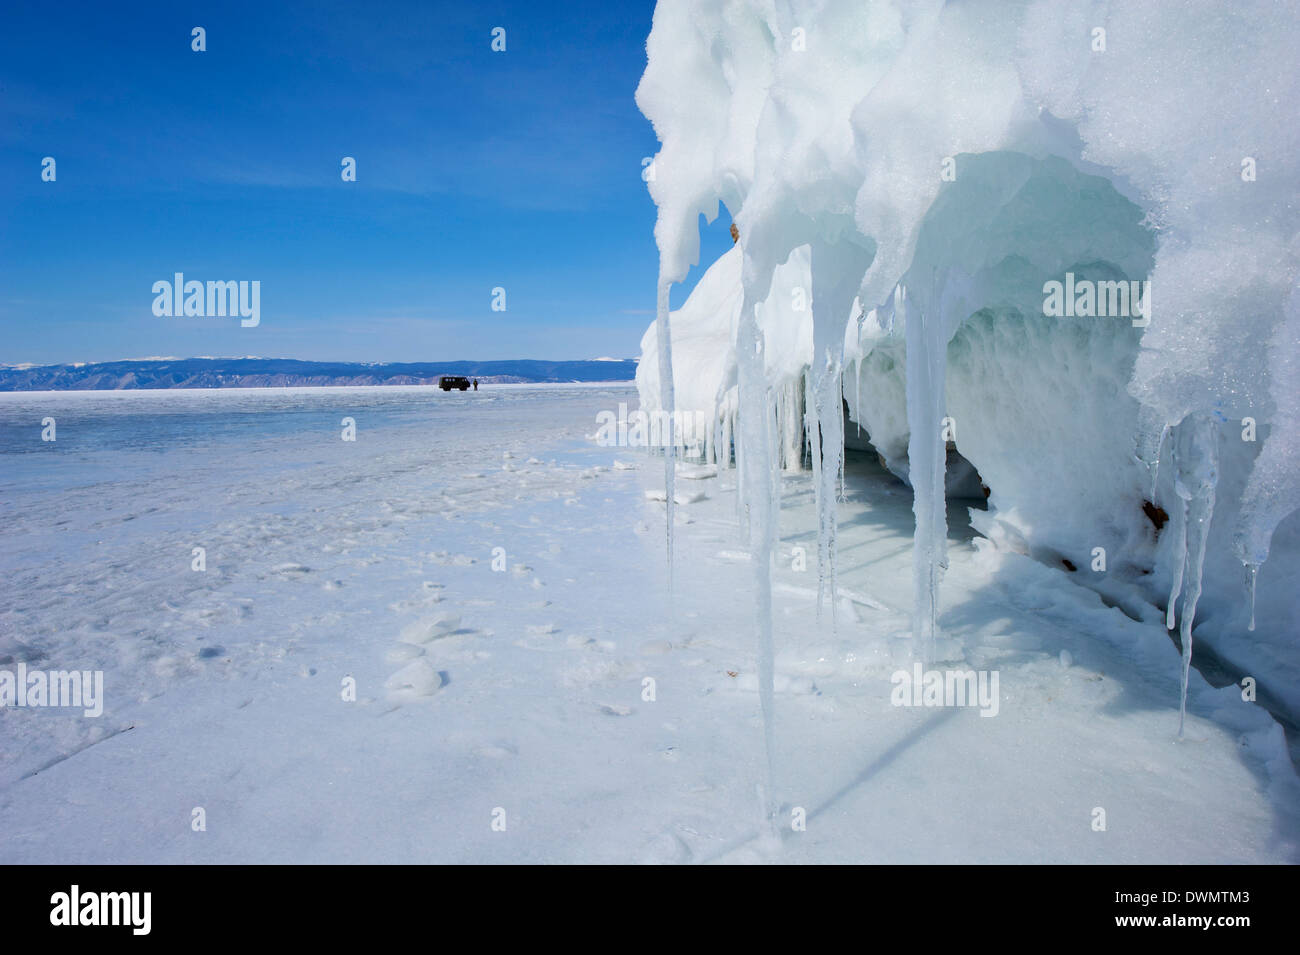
x=491 y=583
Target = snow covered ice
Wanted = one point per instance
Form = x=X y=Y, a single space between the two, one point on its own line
x=999 y=384
x=524 y=688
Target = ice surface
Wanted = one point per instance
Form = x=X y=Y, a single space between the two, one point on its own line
x=322 y=552
x=937 y=162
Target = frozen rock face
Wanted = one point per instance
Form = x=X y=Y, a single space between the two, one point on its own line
x=948 y=162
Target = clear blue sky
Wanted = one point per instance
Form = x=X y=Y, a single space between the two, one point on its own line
x=475 y=169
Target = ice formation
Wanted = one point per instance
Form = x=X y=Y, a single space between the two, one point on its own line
x=908 y=179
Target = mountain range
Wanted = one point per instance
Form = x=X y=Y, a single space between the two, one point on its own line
x=254 y=372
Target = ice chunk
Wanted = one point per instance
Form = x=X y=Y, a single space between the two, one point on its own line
x=430 y=628
x=418 y=678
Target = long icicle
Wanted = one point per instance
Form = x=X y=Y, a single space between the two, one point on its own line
x=1197 y=464
x=925 y=389
x=1252 y=570
x=756 y=455
x=857 y=395
x=844 y=439
x=1180 y=551
x=812 y=407
x=836 y=271
x=667 y=405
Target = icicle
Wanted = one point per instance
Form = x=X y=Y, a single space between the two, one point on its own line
x=1196 y=461
x=667 y=405
x=792 y=426
x=844 y=437
x=830 y=422
x=710 y=436
x=742 y=504
x=783 y=412
x=1148 y=442
x=813 y=423
x=927 y=331
x=926 y=363
x=837 y=270
x=778 y=408
x=774 y=502
x=805 y=386
x=726 y=437
x=1180 y=550
x=1155 y=464
x=1251 y=571
x=857 y=395
x=756 y=455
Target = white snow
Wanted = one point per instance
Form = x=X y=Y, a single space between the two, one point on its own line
x=323 y=554
x=401 y=639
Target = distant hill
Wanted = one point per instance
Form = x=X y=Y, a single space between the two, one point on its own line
x=288 y=372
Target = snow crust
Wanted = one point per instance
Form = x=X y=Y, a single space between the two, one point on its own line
x=478 y=685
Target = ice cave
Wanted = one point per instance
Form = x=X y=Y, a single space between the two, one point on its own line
x=912 y=186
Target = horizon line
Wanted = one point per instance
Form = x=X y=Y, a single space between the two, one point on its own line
x=26 y=366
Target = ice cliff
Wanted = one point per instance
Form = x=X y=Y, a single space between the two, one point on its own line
x=908 y=180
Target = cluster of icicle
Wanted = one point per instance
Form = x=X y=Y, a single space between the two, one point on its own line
x=824 y=126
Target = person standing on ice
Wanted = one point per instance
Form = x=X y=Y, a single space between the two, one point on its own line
x=476 y=384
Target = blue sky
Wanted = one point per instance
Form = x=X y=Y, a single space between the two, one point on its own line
x=475 y=169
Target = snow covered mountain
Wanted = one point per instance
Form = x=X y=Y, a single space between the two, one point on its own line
x=286 y=372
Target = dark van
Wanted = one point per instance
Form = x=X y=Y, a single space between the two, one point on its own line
x=448 y=382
